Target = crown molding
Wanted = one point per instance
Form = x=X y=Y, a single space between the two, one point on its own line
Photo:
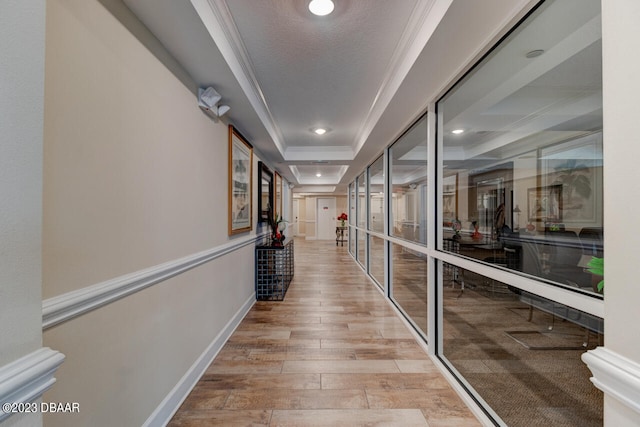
x=217 y=19
x=424 y=20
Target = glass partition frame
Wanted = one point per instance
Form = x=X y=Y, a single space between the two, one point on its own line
x=376 y=191
x=494 y=185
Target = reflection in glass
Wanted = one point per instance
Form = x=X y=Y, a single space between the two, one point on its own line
x=361 y=219
x=362 y=201
x=376 y=259
x=352 y=215
x=362 y=248
x=521 y=352
x=352 y=242
x=523 y=180
x=409 y=284
x=376 y=196
x=409 y=184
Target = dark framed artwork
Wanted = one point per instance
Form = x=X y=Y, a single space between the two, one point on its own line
x=265 y=194
x=545 y=203
x=576 y=165
x=240 y=179
x=278 y=194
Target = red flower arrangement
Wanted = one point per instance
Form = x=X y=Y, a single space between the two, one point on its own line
x=343 y=217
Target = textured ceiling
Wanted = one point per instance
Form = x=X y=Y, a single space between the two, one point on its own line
x=298 y=71
x=368 y=69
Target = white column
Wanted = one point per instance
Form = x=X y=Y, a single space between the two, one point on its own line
x=26 y=369
x=616 y=367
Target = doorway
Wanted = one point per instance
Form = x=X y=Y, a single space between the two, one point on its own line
x=326 y=218
x=296 y=210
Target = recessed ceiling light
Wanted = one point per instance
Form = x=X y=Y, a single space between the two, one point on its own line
x=457 y=131
x=320 y=131
x=318 y=174
x=321 y=7
x=534 y=53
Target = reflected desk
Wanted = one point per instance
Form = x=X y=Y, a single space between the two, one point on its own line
x=485 y=250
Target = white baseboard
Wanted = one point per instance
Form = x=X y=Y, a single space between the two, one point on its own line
x=615 y=375
x=26 y=379
x=171 y=403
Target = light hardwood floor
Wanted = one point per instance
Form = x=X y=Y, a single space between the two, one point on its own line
x=333 y=353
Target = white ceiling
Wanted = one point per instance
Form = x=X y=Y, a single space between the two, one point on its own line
x=285 y=72
x=367 y=70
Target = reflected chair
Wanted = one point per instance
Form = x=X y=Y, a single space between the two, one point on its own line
x=565 y=252
x=592 y=241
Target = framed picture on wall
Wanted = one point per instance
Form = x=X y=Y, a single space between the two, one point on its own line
x=449 y=199
x=576 y=165
x=278 y=191
x=240 y=179
x=545 y=203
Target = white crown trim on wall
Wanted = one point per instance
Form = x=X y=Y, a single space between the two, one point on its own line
x=615 y=375
x=67 y=306
x=217 y=19
x=27 y=378
x=424 y=19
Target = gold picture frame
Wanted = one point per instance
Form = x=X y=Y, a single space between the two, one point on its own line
x=240 y=183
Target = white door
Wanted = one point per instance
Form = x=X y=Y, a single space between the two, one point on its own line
x=295 y=216
x=326 y=218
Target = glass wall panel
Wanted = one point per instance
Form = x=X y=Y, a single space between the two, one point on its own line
x=521 y=352
x=352 y=203
x=409 y=284
x=522 y=150
x=376 y=259
x=362 y=201
x=362 y=247
x=361 y=219
x=352 y=242
x=351 y=216
x=408 y=168
x=376 y=195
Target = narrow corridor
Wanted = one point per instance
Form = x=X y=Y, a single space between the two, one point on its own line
x=333 y=353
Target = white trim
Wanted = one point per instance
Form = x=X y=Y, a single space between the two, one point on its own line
x=67 y=306
x=27 y=378
x=615 y=375
x=217 y=19
x=171 y=403
x=424 y=20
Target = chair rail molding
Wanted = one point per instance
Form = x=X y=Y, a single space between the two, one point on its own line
x=27 y=378
x=615 y=375
x=62 y=308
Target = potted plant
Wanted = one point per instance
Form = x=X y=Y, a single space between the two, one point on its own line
x=596 y=266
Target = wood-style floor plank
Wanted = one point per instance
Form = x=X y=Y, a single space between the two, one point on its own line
x=334 y=352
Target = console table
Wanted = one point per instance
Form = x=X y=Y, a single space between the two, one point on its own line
x=274 y=270
x=340 y=235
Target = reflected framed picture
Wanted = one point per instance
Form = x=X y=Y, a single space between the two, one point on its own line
x=240 y=179
x=576 y=165
x=545 y=203
x=449 y=199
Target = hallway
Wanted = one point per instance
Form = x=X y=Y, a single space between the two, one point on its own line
x=333 y=353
